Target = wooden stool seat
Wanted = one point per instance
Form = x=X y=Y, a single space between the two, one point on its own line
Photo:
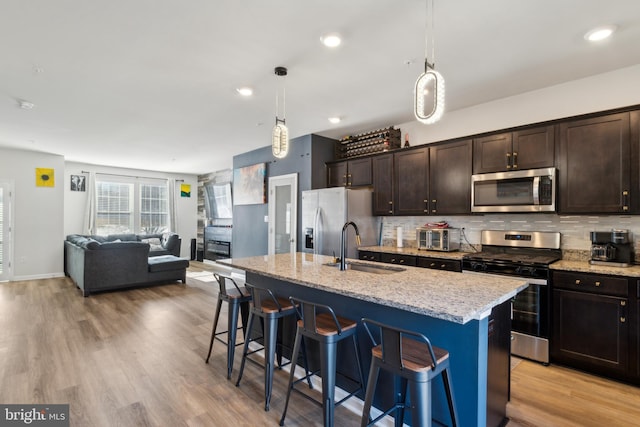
x=415 y=355
x=325 y=324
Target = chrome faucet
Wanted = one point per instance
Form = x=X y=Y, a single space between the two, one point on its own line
x=343 y=243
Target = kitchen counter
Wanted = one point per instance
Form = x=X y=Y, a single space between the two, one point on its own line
x=454 y=297
x=453 y=309
x=414 y=251
x=585 y=267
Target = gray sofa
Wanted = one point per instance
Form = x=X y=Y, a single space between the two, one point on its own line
x=99 y=264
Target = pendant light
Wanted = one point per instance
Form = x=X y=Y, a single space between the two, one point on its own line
x=428 y=98
x=280 y=134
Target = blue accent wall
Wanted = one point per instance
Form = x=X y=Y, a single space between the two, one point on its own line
x=307 y=157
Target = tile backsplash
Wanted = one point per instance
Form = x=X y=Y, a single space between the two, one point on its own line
x=574 y=229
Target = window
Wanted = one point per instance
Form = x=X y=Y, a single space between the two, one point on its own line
x=131 y=205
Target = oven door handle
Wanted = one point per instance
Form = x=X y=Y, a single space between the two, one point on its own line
x=536 y=190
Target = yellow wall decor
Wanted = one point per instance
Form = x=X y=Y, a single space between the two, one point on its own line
x=185 y=190
x=45 y=177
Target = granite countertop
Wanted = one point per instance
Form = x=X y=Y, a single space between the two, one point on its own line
x=414 y=251
x=585 y=267
x=455 y=297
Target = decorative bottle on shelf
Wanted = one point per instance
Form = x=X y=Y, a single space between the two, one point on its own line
x=406 y=140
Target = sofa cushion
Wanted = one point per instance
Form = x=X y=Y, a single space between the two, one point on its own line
x=152 y=241
x=83 y=241
x=122 y=237
x=119 y=245
x=167 y=263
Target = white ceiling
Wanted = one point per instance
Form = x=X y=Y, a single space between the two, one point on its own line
x=150 y=84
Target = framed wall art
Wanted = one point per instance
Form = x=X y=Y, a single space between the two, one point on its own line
x=249 y=185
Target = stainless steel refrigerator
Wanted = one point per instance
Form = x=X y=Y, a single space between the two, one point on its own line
x=324 y=213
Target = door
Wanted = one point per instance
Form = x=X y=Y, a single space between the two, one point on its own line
x=283 y=213
x=492 y=153
x=337 y=174
x=6 y=192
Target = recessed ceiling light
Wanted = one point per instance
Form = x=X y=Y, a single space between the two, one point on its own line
x=26 y=105
x=245 y=91
x=331 y=40
x=600 y=33
x=335 y=120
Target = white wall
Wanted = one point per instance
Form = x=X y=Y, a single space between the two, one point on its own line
x=589 y=95
x=39 y=211
x=76 y=201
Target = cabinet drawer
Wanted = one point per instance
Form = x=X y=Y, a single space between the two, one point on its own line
x=593 y=283
x=369 y=256
x=440 y=264
x=398 y=259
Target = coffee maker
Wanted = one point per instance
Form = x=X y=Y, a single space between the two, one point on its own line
x=612 y=248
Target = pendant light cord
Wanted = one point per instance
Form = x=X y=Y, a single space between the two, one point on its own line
x=430 y=35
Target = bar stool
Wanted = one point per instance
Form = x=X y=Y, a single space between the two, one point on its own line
x=319 y=323
x=236 y=298
x=411 y=357
x=270 y=309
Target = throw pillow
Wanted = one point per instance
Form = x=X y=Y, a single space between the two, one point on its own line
x=154 y=241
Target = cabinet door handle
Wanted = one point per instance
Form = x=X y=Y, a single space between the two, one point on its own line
x=349 y=180
x=426 y=206
x=433 y=264
x=625 y=200
x=393 y=260
x=401 y=261
x=623 y=319
x=508 y=160
x=390 y=207
x=442 y=265
x=344 y=180
x=623 y=303
x=598 y=284
x=515 y=160
x=435 y=209
x=577 y=281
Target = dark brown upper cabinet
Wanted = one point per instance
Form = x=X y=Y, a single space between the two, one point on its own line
x=382 y=168
x=349 y=173
x=450 y=178
x=595 y=165
x=411 y=183
x=430 y=180
x=525 y=149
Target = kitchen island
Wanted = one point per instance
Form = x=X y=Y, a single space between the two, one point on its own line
x=452 y=309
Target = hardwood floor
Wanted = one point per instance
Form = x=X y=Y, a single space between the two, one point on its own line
x=136 y=358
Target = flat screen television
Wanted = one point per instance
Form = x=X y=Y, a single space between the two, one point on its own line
x=218 y=201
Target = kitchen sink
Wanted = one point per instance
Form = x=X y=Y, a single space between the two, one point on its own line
x=368 y=268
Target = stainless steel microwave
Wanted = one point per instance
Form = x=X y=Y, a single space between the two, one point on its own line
x=532 y=190
x=438 y=239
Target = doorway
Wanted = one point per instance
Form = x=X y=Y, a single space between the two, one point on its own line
x=6 y=193
x=283 y=213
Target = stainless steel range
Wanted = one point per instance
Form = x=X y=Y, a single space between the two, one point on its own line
x=524 y=254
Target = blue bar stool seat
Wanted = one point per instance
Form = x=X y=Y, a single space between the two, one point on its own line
x=270 y=309
x=238 y=300
x=319 y=323
x=414 y=362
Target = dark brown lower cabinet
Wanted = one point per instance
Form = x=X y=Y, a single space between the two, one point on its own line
x=440 y=264
x=591 y=332
x=399 y=259
x=369 y=255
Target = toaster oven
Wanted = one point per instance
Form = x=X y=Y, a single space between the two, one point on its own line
x=438 y=239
